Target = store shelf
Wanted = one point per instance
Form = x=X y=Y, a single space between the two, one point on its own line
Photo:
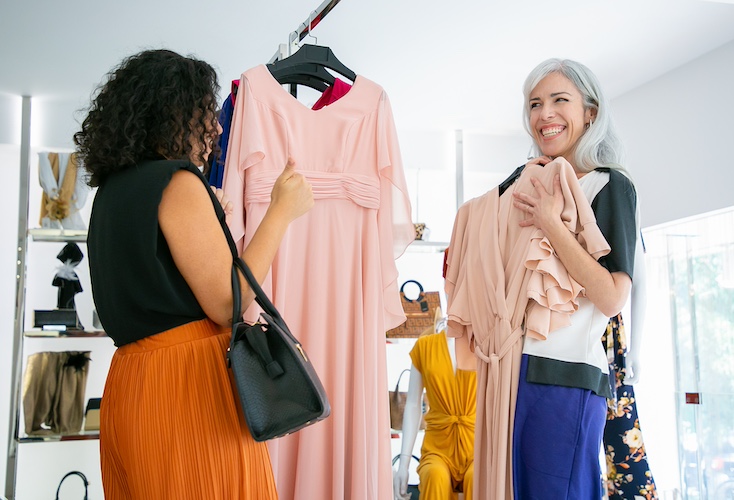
x=51 y=438
x=48 y=234
x=65 y=334
x=427 y=246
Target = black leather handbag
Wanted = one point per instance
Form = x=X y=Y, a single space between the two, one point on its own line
x=278 y=387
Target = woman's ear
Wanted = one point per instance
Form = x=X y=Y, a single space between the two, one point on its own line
x=590 y=115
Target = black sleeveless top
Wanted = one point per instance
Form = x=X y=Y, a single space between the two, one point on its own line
x=137 y=288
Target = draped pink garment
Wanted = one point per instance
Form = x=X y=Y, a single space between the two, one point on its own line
x=494 y=268
x=334 y=278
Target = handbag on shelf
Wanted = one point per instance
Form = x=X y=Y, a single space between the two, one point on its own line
x=419 y=312
x=397 y=405
x=92 y=414
x=74 y=473
x=54 y=383
x=279 y=389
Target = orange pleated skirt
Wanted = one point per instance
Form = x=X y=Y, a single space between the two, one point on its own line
x=171 y=427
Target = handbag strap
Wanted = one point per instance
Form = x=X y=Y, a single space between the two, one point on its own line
x=396 y=458
x=74 y=473
x=420 y=291
x=237 y=263
x=397 y=384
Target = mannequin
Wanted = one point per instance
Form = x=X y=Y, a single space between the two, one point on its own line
x=638 y=306
x=463 y=370
x=628 y=470
x=67 y=280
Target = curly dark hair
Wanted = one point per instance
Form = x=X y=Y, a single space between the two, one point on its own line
x=155 y=104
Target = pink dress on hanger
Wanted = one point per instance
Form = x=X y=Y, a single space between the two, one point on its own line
x=334 y=277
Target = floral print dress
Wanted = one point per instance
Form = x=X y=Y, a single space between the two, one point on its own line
x=628 y=472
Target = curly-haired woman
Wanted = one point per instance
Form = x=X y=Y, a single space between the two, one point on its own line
x=161 y=276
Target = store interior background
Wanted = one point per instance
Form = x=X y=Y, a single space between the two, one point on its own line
x=450 y=69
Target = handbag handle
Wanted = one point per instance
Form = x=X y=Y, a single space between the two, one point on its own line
x=396 y=458
x=397 y=384
x=260 y=297
x=74 y=473
x=420 y=291
x=237 y=263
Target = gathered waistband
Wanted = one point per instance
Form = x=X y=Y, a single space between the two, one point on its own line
x=196 y=330
x=360 y=189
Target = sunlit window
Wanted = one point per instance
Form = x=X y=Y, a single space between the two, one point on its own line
x=690 y=267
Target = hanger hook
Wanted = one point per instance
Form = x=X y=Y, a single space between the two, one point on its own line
x=311 y=18
x=292 y=42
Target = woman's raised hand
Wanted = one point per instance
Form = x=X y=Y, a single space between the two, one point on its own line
x=291 y=195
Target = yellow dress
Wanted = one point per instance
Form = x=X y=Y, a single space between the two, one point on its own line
x=447 y=455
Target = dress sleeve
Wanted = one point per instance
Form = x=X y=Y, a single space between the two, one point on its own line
x=615 y=209
x=455 y=284
x=394 y=219
x=244 y=150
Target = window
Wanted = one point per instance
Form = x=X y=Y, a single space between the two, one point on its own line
x=690 y=269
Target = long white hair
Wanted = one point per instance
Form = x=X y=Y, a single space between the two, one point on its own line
x=599 y=146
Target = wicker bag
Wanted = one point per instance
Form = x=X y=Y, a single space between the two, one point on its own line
x=420 y=312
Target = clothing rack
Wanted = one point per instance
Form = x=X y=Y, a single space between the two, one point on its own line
x=303 y=30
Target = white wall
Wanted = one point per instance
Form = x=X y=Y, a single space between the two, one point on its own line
x=10 y=116
x=678 y=130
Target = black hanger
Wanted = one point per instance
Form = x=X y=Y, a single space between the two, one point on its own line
x=313 y=54
x=310 y=74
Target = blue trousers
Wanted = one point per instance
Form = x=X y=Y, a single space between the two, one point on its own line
x=556 y=443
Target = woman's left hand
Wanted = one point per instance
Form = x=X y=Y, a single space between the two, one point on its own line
x=544 y=210
x=227 y=205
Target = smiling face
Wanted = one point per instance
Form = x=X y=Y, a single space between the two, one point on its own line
x=557 y=116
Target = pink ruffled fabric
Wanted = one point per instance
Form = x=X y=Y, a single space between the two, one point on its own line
x=553 y=291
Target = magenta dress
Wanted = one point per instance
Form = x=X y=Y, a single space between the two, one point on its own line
x=334 y=277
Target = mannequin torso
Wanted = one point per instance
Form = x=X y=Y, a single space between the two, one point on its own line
x=462 y=360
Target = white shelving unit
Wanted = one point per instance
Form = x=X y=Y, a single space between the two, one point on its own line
x=35 y=464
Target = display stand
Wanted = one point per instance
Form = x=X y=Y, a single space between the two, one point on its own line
x=28 y=340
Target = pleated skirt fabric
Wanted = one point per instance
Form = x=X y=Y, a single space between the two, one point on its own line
x=171 y=427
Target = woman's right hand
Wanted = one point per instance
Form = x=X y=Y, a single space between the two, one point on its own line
x=291 y=195
x=540 y=160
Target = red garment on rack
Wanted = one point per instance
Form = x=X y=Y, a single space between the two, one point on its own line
x=335 y=92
